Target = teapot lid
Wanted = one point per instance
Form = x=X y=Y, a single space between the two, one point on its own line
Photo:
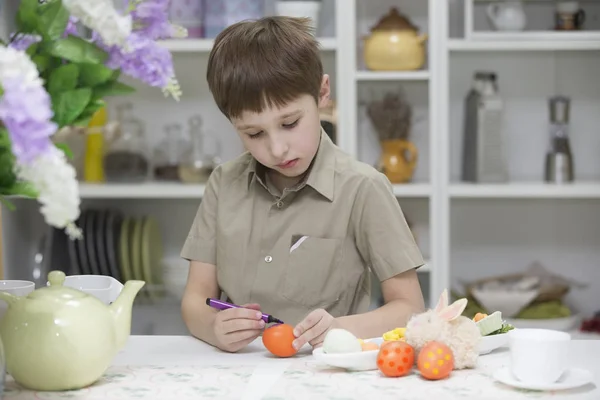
x=56 y=289
x=394 y=21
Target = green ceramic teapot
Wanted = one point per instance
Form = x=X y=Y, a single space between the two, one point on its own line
x=59 y=338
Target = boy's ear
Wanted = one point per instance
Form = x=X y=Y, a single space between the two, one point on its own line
x=325 y=91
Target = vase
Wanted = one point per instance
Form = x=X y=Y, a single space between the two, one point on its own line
x=398 y=160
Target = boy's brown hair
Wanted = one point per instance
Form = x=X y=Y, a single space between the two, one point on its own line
x=264 y=63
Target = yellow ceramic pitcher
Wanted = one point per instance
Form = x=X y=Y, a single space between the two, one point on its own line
x=398 y=160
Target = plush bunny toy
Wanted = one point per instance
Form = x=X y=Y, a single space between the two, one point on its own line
x=445 y=324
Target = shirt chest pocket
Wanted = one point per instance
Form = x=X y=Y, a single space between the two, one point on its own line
x=312 y=277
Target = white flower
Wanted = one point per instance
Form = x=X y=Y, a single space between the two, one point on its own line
x=15 y=63
x=56 y=182
x=102 y=17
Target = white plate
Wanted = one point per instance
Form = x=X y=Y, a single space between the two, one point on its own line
x=492 y=342
x=572 y=378
x=359 y=361
x=557 y=324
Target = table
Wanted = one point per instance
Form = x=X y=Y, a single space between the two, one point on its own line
x=181 y=367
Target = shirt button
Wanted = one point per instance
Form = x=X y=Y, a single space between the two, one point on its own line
x=279 y=204
x=268 y=259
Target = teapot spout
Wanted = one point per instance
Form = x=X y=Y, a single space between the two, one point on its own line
x=121 y=310
x=9 y=298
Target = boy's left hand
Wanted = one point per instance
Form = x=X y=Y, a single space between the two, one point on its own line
x=313 y=328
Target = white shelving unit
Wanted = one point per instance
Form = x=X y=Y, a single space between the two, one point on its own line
x=466 y=231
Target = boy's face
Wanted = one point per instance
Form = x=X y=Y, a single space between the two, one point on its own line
x=285 y=139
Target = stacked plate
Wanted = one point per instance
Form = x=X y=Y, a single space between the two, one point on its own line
x=123 y=247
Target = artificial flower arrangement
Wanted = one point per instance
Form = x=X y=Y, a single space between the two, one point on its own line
x=52 y=77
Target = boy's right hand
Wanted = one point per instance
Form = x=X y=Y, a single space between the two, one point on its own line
x=235 y=328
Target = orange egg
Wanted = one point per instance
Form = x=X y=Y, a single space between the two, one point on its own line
x=278 y=340
x=435 y=361
x=395 y=358
x=367 y=346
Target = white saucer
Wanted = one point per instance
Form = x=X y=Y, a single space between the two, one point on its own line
x=572 y=378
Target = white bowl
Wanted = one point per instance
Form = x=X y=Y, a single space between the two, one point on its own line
x=492 y=342
x=359 y=361
x=564 y=324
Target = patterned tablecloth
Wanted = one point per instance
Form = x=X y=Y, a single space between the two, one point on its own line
x=298 y=378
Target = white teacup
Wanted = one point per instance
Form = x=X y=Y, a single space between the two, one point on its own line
x=18 y=288
x=105 y=288
x=538 y=356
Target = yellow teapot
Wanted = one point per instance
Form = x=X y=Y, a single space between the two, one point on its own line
x=58 y=338
x=394 y=44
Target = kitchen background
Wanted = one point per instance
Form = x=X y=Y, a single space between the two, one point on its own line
x=486 y=123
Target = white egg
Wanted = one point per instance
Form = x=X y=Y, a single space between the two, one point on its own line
x=340 y=341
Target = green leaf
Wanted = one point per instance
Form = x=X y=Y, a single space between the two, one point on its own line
x=31 y=50
x=21 y=188
x=7 y=162
x=115 y=88
x=94 y=74
x=53 y=20
x=42 y=62
x=27 y=18
x=77 y=50
x=63 y=78
x=70 y=104
x=11 y=207
x=87 y=114
x=65 y=149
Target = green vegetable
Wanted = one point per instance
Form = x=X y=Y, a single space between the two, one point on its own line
x=505 y=328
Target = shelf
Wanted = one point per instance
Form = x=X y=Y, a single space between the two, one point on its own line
x=150 y=190
x=525 y=190
x=392 y=75
x=412 y=190
x=457 y=45
x=205 y=45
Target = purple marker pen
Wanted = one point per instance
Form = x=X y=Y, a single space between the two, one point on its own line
x=223 y=305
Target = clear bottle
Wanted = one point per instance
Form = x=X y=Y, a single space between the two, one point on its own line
x=127 y=157
x=168 y=154
x=198 y=164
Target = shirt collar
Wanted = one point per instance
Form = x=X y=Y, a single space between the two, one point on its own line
x=321 y=173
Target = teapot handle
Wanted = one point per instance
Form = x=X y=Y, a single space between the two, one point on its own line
x=413 y=153
x=492 y=11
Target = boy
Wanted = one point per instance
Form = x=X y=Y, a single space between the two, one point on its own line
x=293 y=225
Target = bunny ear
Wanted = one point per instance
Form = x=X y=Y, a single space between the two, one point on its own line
x=442 y=302
x=454 y=310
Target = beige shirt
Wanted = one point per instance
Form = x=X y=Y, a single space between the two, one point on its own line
x=306 y=248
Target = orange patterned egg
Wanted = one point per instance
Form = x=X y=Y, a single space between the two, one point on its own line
x=435 y=361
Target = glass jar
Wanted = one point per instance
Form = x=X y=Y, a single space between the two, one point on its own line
x=126 y=158
x=197 y=163
x=169 y=152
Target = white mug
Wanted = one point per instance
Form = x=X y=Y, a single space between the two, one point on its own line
x=538 y=356
x=18 y=288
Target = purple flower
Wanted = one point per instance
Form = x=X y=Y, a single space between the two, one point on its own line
x=150 y=19
x=21 y=41
x=143 y=59
x=72 y=27
x=26 y=113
